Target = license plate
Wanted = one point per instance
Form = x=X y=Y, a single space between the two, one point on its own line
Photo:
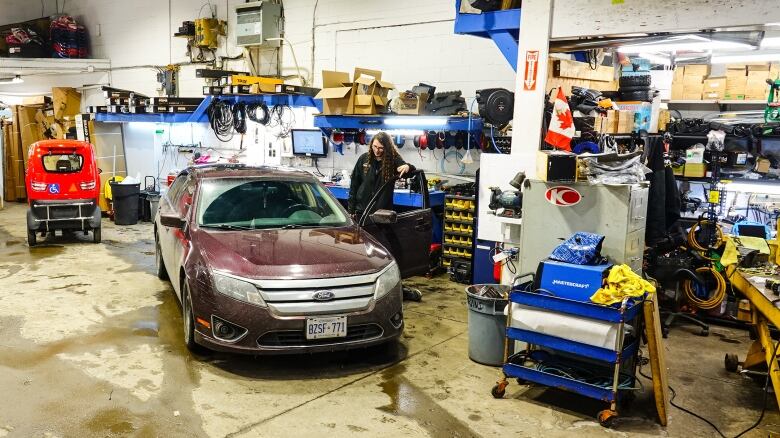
x=318 y=328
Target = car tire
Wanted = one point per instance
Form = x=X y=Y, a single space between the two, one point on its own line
x=644 y=95
x=159 y=264
x=188 y=321
x=635 y=81
x=96 y=235
x=32 y=238
x=639 y=88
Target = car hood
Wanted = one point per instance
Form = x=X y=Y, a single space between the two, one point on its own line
x=292 y=254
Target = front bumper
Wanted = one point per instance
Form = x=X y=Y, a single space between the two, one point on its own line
x=79 y=214
x=268 y=333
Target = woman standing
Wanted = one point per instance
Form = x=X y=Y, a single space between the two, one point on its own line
x=372 y=170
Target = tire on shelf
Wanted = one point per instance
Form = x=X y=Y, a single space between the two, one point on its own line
x=635 y=81
x=637 y=88
x=644 y=95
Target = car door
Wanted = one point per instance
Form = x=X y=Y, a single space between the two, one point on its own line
x=182 y=204
x=409 y=238
x=167 y=235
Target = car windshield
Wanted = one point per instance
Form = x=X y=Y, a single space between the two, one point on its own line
x=240 y=203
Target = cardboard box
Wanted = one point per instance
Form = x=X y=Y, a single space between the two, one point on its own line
x=677 y=90
x=556 y=166
x=370 y=91
x=697 y=70
x=757 y=67
x=694 y=155
x=679 y=72
x=695 y=170
x=611 y=124
x=714 y=89
x=735 y=86
x=760 y=75
x=642 y=113
x=774 y=71
x=692 y=80
x=625 y=121
x=67 y=102
x=678 y=170
x=762 y=165
x=264 y=84
x=410 y=103
x=365 y=94
x=563 y=68
x=337 y=93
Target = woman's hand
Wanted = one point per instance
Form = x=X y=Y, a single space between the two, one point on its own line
x=402 y=169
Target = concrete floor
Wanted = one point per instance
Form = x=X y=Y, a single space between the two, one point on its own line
x=91 y=345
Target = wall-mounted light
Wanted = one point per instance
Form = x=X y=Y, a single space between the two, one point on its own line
x=404 y=132
x=14 y=80
x=757 y=57
x=753 y=187
x=687 y=43
x=416 y=121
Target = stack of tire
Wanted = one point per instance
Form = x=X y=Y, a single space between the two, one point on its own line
x=636 y=87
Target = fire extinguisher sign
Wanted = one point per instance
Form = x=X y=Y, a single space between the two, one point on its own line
x=531 y=68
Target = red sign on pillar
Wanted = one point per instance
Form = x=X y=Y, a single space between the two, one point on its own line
x=531 y=67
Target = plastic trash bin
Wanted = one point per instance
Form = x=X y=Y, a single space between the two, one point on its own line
x=487 y=322
x=154 y=201
x=125 y=198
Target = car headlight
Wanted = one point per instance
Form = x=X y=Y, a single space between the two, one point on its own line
x=387 y=281
x=238 y=289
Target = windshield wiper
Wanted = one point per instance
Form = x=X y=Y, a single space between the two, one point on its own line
x=228 y=227
x=296 y=226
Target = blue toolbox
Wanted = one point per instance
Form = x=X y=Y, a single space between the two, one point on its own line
x=567 y=280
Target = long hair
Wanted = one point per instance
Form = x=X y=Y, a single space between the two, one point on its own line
x=388 y=158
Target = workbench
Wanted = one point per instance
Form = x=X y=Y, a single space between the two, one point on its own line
x=763 y=311
x=406 y=198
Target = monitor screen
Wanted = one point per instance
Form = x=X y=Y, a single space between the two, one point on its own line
x=308 y=142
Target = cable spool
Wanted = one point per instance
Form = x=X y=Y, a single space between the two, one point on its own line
x=460 y=140
x=361 y=137
x=694 y=243
x=337 y=138
x=496 y=106
x=399 y=141
x=431 y=141
x=423 y=141
x=715 y=298
x=440 y=138
x=258 y=113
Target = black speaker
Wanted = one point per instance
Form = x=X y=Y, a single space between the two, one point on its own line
x=496 y=105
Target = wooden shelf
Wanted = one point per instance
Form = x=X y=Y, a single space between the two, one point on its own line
x=716 y=102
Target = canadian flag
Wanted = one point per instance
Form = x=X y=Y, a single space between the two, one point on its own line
x=561 y=128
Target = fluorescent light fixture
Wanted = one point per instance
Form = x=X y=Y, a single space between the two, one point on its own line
x=689 y=43
x=393 y=132
x=14 y=80
x=772 y=24
x=753 y=187
x=416 y=121
x=756 y=57
x=770 y=43
x=655 y=59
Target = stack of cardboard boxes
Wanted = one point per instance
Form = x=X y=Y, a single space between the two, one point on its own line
x=741 y=82
x=688 y=82
x=365 y=94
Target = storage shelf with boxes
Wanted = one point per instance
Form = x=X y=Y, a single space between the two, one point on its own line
x=739 y=82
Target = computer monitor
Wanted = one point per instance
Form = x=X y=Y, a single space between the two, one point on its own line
x=309 y=143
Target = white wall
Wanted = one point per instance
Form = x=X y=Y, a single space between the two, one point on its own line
x=409 y=41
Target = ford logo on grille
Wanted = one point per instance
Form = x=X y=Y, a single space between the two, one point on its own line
x=324 y=295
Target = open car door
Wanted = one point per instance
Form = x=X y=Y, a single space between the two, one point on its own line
x=407 y=235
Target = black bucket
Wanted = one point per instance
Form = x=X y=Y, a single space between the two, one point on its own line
x=125 y=198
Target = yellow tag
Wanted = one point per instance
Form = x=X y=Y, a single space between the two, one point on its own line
x=714 y=197
x=617 y=2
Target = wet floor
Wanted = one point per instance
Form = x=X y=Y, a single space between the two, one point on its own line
x=91 y=345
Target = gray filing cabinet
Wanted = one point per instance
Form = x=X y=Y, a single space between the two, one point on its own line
x=617 y=212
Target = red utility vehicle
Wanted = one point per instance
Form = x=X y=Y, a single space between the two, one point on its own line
x=62 y=188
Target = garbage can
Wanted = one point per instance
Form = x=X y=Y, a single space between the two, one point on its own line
x=125 y=198
x=487 y=322
x=154 y=201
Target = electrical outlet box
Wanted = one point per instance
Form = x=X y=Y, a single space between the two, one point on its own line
x=286 y=147
x=255 y=22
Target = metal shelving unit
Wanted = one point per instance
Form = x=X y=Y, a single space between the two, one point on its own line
x=458 y=242
x=200 y=115
x=503 y=27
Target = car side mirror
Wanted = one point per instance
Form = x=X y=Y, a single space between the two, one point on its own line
x=384 y=217
x=171 y=221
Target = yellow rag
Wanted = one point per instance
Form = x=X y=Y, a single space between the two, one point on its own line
x=621 y=282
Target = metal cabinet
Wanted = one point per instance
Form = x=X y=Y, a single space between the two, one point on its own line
x=617 y=212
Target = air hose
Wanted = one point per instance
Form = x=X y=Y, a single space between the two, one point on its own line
x=714 y=297
x=695 y=243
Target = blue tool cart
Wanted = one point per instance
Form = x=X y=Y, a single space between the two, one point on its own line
x=606 y=374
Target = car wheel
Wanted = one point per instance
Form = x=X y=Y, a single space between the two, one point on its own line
x=32 y=238
x=96 y=235
x=159 y=264
x=189 y=320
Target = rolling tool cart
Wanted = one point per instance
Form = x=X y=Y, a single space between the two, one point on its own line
x=458 y=240
x=605 y=372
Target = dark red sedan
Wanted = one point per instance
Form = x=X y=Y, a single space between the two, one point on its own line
x=266 y=260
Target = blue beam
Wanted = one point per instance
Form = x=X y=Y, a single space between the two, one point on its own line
x=507 y=44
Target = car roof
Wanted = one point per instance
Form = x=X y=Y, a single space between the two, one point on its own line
x=227 y=170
